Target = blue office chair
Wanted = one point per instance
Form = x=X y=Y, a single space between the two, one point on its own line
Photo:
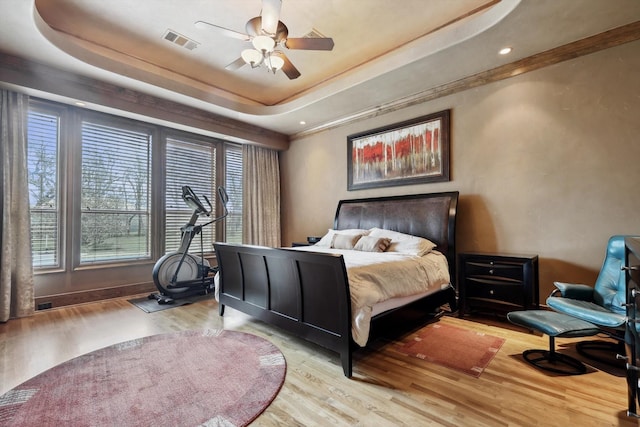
x=603 y=305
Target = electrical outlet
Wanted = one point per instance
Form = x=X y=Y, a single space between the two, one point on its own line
x=44 y=306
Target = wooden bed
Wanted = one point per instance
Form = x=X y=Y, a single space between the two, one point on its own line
x=307 y=293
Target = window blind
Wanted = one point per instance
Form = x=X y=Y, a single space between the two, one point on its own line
x=42 y=158
x=193 y=164
x=115 y=199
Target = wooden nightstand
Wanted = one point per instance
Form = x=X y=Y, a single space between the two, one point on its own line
x=498 y=282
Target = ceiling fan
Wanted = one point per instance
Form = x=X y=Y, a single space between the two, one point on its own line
x=266 y=33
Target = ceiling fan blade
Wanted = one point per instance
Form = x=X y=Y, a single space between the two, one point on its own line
x=288 y=68
x=202 y=25
x=235 y=65
x=270 y=15
x=309 y=43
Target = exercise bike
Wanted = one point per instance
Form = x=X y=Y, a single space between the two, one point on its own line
x=180 y=274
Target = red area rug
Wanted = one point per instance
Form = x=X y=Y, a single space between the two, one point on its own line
x=461 y=349
x=210 y=377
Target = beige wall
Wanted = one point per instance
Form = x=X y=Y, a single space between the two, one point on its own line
x=547 y=163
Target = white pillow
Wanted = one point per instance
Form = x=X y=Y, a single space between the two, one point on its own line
x=327 y=239
x=404 y=243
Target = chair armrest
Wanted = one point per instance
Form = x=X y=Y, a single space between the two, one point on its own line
x=574 y=291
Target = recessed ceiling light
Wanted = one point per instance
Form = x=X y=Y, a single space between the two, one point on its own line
x=505 y=51
x=302 y=122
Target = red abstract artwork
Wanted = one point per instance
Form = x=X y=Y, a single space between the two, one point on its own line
x=406 y=153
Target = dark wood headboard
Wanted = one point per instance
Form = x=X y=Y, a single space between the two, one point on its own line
x=432 y=216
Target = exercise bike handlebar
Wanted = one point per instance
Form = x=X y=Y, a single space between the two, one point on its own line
x=192 y=200
x=224 y=198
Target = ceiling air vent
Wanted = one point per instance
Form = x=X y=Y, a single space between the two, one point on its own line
x=180 y=40
x=313 y=34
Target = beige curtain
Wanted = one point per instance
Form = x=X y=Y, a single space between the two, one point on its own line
x=261 y=202
x=16 y=272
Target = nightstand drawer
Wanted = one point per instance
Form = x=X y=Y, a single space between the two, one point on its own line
x=491 y=268
x=497 y=282
x=497 y=290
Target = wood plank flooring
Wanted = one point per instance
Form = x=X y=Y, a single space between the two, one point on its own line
x=388 y=388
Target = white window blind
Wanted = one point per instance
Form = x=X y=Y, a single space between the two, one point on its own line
x=43 y=136
x=194 y=164
x=115 y=200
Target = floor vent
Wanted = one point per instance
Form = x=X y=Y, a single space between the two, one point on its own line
x=180 y=40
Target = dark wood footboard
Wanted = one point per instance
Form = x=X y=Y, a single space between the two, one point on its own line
x=305 y=293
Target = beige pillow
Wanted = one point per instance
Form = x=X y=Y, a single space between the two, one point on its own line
x=372 y=244
x=404 y=243
x=345 y=241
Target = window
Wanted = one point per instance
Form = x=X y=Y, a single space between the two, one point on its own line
x=116 y=198
x=43 y=130
x=191 y=163
x=106 y=192
x=233 y=185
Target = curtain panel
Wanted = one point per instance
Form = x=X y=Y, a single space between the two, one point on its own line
x=16 y=271
x=261 y=196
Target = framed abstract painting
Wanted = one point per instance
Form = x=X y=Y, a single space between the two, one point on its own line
x=415 y=151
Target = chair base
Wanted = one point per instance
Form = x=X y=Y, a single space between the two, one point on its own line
x=554 y=362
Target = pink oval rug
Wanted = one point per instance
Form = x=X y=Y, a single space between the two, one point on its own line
x=210 y=377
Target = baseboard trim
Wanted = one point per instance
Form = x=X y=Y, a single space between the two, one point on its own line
x=93 y=295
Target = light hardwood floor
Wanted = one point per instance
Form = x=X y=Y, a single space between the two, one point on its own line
x=388 y=389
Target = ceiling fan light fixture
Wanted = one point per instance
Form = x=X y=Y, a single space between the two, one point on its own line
x=252 y=57
x=263 y=43
x=275 y=63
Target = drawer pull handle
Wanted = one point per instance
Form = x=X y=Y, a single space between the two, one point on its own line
x=491 y=292
x=491 y=271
